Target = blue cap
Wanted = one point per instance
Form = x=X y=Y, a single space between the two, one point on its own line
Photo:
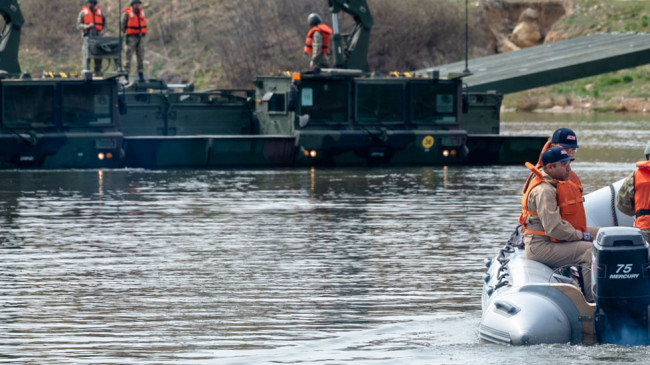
x=555 y=154
x=565 y=137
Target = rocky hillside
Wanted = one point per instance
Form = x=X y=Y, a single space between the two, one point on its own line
x=623 y=91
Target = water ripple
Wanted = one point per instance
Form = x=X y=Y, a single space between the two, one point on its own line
x=133 y=266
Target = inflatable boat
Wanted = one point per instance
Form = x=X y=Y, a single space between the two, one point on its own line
x=525 y=302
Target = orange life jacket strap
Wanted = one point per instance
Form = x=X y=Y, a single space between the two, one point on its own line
x=539 y=233
x=535 y=170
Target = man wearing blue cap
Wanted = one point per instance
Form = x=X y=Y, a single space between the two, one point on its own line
x=553 y=219
x=634 y=195
x=567 y=139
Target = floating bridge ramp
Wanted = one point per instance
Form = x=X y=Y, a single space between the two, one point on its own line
x=552 y=63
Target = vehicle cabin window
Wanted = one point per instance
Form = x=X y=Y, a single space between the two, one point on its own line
x=28 y=106
x=380 y=103
x=278 y=104
x=434 y=103
x=87 y=105
x=326 y=101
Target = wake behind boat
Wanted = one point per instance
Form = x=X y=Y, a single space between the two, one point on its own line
x=526 y=302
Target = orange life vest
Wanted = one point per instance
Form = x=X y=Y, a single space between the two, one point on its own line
x=91 y=17
x=136 y=24
x=642 y=195
x=325 y=31
x=569 y=200
x=572 y=176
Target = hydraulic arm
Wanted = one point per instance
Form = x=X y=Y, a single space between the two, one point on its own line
x=355 y=53
x=10 y=36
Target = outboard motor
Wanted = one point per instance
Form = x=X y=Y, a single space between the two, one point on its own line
x=621 y=285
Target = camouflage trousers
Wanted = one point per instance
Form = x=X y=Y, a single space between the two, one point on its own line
x=85 y=59
x=319 y=61
x=134 y=44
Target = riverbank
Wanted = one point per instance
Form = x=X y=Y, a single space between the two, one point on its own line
x=625 y=91
x=563 y=104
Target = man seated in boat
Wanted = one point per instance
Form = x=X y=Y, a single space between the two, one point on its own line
x=553 y=218
x=567 y=139
x=633 y=197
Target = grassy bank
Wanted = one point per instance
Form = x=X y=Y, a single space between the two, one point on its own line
x=622 y=91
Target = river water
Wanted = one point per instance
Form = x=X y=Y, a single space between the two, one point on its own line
x=325 y=266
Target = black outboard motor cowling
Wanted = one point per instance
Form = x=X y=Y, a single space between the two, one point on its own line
x=621 y=285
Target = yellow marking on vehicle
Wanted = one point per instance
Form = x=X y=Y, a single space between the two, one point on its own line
x=427 y=142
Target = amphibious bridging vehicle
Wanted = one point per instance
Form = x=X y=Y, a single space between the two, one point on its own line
x=340 y=116
x=53 y=123
x=59 y=124
x=166 y=127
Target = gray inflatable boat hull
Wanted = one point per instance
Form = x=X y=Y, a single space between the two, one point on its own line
x=525 y=302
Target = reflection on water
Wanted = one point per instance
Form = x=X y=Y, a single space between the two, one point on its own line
x=601 y=137
x=298 y=265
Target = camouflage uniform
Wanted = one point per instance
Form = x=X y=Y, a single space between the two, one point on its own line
x=318 y=60
x=134 y=44
x=85 y=54
x=625 y=201
x=574 y=251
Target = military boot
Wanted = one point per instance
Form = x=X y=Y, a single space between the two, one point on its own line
x=141 y=76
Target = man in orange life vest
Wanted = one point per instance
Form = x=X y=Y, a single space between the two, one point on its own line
x=134 y=26
x=567 y=139
x=553 y=218
x=318 y=42
x=634 y=195
x=90 y=21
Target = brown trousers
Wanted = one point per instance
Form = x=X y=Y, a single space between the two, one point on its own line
x=558 y=254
